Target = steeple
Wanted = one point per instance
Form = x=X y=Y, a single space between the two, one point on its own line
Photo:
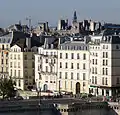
x=75 y=17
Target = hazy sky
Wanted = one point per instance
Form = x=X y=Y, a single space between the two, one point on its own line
x=11 y=11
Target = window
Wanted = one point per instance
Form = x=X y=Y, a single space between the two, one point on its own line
x=46 y=60
x=106 y=81
x=84 y=67
x=11 y=72
x=117 y=80
x=106 y=71
x=84 y=76
x=18 y=64
x=60 y=55
x=15 y=56
x=66 y=65
x=14 y=64
x=11 y=56
x=46 y=68
x=15 y=73
x=95 y=70
x=72 y=66
x=103 y=71
x=78 y=66
x=33 y=65
x=10 y=64
x=92 y=70
x=93 y=61
x=106 y=54
x=66 y=75
x=18 y=56
x=19 y=83
x=78 y=56
x=19 y=73
x=84 y=56
x=103 y=54
x=78 y=78
x=95 y=80
x=65 y=84
x=96 y=61
x=2 y=53
x=66 y=55
x=103 y=62
x=106 y=62
x=84 y=84
x=2 y=47
x=103 y=81
x=25 y=57
x=51 y=69
x=71 y=85
x=60 y=64
x=54 y=61
x=72 y=55
x=71 y=75
x=2 y=61
x=60 y=75
x=92 y=79
x=6 y=61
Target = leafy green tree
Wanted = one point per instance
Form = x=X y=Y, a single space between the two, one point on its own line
x=7 y=89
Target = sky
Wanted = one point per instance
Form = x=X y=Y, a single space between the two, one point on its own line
x=11 y=11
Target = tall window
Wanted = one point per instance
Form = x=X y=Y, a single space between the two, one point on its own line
x=60 y=55
x=106 y=54
x=78 y=66
x=66 y=75
x=60 y=75
x=25 y=57
x=71 y=85
x=103 y=62
x=95 y=70
x=72 y=55
x=72 y=66
x=71 y=75
x=106 y=81
x=2 y=47
x=65 y=85
x=95 y=80
x=10 y=64
x=66 y=65
x=103 y=81
x=103 y=54
x=84 y=67
x=15 y=56
x=103 y=71
x=106 y=71
x=60 y=64
x=84 y=76
x=11 y=72
x=19 y=73
x=66 y=55
x=117 y=80
x=46 y=68
x=18 y=64
x=78 y=56
x=15 y=73
x=18 y=56
x=92 y=79
x=78 y=77
x=84 y=56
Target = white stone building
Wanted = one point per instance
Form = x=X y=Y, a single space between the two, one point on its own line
x=73 y=67
x=105 y=65
x=46 y=67
x=21 y=64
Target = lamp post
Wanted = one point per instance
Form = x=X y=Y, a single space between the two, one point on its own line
x=39 y=90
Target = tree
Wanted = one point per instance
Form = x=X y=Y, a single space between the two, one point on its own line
x=7 y=88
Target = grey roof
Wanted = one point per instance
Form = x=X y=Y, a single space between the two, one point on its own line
x=6 y=38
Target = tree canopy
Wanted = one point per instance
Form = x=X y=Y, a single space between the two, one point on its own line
x=7 y=89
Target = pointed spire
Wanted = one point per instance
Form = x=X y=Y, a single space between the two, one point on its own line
x=75 y=17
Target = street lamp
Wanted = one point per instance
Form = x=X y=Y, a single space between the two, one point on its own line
x=39 y=90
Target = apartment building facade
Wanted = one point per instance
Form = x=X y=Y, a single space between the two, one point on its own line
x=21 y=65
x=73 y=67
x=46 y=68
x=105 y=65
